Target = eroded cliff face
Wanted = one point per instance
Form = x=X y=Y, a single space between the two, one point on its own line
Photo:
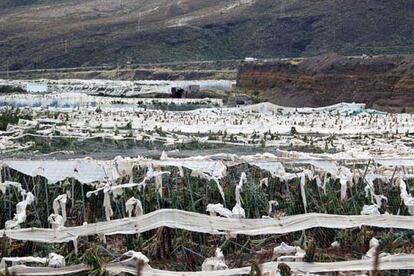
x=383 y=82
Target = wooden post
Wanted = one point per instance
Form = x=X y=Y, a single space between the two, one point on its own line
x=5 y=241
x=47 y=198
x=83 y=204
x=73 y=195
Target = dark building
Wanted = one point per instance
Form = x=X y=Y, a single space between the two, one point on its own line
x=177 y=92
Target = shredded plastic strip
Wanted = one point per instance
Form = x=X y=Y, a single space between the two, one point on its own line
x=392 y=262
x=201 y=223
x=34 y=271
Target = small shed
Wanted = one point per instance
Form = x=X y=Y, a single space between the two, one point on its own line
x=36 y=88
x=242 y=100
x=193 y=88
x=177 y=92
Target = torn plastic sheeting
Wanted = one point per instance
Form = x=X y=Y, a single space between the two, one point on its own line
x=407 y=198
x=133 y=257
x=129 y=206
x=85 y=171
x=396 y=162
x=215 y=263
x=392 y=262
x=325 y=165
x=59 y=203
x=6 y=184
x=272 y=203
x=106 y=187
x=20 y=215
x=275 y=168
x=302 y=192
x=213 y=168
x=267 y=107
x=300 y=254
x=370 y=210
x=373 y=247
x=201 y=223
x=266 y=161
x=325 y=182
x=89 y=171
x=284 y=249
x=264 y=182
x=116 y=189
x=238 y=211
x=56 y=221
x=124 y=166
x=345 y=176
x=369 y=189
x=56 y=260
x=218 y=208
x=210 y=178
x=320 y=184
x=108 y=207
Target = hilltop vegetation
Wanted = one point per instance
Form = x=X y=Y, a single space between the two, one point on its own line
x=71 y=33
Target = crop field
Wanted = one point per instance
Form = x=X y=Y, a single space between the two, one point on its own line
x=98 y=179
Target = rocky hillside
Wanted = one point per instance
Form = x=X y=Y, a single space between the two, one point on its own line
x=68 y=33
x=382 y=82
x=207 y=70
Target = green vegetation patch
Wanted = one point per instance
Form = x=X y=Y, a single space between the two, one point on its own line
x=11 y=116
x=6 y=89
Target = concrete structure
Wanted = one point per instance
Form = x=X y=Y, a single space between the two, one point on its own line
x=193 y=88
x=186 y=92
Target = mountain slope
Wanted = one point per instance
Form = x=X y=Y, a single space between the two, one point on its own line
x=65 y=33
x=381 y=82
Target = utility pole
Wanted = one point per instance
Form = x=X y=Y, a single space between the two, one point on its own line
x=66 y=46
x=7 y=68
x=139 y=23
x=334 y=26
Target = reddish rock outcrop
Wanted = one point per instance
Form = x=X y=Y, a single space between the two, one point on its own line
x=382 y=82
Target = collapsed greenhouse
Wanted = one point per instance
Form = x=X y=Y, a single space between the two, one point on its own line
x=216 y=191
